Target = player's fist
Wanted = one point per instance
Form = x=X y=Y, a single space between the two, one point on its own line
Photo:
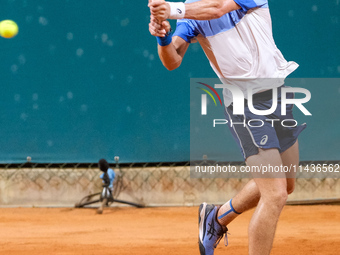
x=157 y=28
x=159 y=9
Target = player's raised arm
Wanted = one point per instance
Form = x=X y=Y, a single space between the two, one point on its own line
x=199 y=10
x=171 y=50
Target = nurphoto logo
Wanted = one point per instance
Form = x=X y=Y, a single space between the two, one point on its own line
x=239 y=100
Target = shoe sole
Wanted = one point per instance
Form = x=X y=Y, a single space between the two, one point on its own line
x=203 y=212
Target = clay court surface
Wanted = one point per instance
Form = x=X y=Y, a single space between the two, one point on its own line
x=156 y=231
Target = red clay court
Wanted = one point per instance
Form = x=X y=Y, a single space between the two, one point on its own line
x=162 y=231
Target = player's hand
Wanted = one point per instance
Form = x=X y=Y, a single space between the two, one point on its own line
x=158 y=29
x=159 y=9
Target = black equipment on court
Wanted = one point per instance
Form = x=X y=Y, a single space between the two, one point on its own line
x=106 y=196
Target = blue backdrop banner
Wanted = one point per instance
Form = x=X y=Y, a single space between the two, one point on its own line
x=82 y=80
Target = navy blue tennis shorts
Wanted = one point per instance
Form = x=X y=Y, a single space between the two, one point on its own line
x=252 y=132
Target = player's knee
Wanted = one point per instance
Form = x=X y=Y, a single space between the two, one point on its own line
x=278 y=197
x=282 y=198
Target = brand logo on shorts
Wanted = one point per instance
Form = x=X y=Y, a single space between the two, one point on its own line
x=264 y=140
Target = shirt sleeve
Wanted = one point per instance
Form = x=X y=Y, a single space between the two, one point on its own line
x=186 y=30
x=250 y=4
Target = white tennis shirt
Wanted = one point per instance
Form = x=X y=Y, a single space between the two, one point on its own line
x=240 y=47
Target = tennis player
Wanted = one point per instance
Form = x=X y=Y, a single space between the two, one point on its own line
x=236 y=36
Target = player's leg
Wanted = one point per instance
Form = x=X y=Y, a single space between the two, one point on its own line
x=244 y=200
x=212 y=228
x=273 y=192
x=290 y=158
x=211 y=219
x=249 y=196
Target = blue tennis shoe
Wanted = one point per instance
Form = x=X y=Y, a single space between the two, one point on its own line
x=210 y=231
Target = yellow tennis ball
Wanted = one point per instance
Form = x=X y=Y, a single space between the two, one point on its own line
x=8 y=28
